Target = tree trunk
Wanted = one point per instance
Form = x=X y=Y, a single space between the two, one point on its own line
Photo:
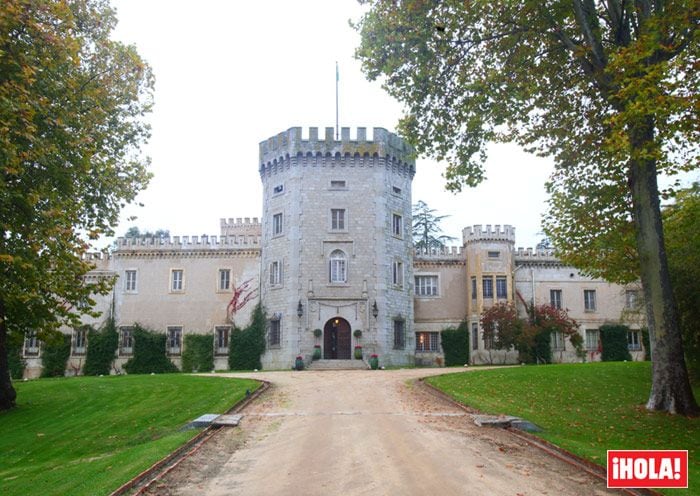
x=7 y=392
x=670 y=388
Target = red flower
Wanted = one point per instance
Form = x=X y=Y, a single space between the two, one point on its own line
x=374 y=355
x=300 y=357
x=358 y=347
x=317 y=346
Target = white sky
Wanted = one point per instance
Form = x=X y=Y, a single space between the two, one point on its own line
x=230 y=74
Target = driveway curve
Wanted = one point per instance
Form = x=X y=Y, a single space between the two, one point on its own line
x=365 y=432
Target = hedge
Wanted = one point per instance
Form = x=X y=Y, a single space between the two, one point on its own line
x=54 y=355
x=613 y=339
x=247 y=345
x=455 y=345
x=14 y=356
x=149 y=353
x=101 y=348
x=198 y=355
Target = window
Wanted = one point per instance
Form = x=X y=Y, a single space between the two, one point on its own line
x=397 y=225
x=557 y=341
x=277 y=225
x=631 y=299
x=31 y=345
x=427 y=341
x=426 y=286
x=473 y=288
x=494 y=254
x=224 y=279
x=396 y=190
x=176 y=279
x=489 y=339
x=276 y=273
x=397 y=274
x=501 y=287
x=337 y=184
x=487 y=283
x=79 y=341
x=399 y=335
x=174 y=340
x=337 y=219
x=592 y=339
x=338 y=271
x=221 y=343
x=555 y=298
x=274 y=335
x=589 y=300
x=278 y=190
x=475 y=336
x=130 y=283
x=633 y=341
x=126 y=340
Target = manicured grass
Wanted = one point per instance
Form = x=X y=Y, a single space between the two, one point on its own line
x=89 y=435
x=584 y=408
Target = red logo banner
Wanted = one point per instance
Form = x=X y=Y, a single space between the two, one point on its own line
x=648 y=468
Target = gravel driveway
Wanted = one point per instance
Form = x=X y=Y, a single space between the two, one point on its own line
x=365 y=432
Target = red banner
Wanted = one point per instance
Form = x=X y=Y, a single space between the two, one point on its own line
x=648 y=468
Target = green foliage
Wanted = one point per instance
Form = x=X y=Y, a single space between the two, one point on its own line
x=101 y=347
x=613 y=339
x=149 y=353
x=86 y=436
x=55 y=351
x=198 y=355
x=426 y=228
x=585 y=408
x=14 y=356
x=247 y=345
x=455 y=344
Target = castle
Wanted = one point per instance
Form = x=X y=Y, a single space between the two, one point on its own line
x=334 y=265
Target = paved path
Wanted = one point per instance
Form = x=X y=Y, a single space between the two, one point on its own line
x=365 y=432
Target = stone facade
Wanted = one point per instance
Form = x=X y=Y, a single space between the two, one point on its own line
x=333 y=253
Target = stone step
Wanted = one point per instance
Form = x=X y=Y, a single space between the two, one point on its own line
x=337 y=365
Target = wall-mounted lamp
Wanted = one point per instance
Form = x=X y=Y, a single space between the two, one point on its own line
x=375 y=310
x=300 y=309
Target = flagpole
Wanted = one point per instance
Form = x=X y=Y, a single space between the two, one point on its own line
x=337 y=78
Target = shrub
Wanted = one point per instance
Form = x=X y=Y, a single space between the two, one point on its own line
x=455 y=345
x=101 y=347
x=149 y=353
x=357 y=333
x=54 y=355
x=247 y=345
x=198 y=355
x=14 y=356
x=614 y=341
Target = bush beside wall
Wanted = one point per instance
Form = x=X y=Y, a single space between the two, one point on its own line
x=198 y=355
x=14 y=357
x=54 y=355
x=247 y=345
x=455 y=345
x=101 y=348
x=149 y=353
x=613 y=338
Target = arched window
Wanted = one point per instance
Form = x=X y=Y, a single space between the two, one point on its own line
x=338 y=267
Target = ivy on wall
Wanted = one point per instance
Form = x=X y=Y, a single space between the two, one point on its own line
x=101 y=348
x=247 y=345
x=613 y=338
x=455 y=345
x=198 y=355
x=149 y=353
x=54 y=355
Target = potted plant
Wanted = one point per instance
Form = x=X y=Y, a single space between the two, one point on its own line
x=374 y=361
x=357 y=333
x=317 y=352
x=299 y=363
x=318 y=333
x=358 y=352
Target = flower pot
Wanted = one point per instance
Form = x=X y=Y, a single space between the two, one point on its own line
x=299 y=363
x=374 y=362
x=317 y=353
x=358 y=353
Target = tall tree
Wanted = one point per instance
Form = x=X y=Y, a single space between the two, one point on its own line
x=427 y=234
x=72 y=103
x=609 y=89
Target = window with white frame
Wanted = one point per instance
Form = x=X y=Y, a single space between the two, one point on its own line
x=174 y=340
x=130 y=281
x=276 y=273
x=475 y=336
x=221 y=340
x=338 y=268
x=397 y=273
x=589 y=302
x=399 y=334
x=224 y=279
x=338 y=219
x=274 y=335
x=79 y=341
x=489 y=339
x=427 y=341
x=426 y=285
x=631 y=299
x=557 y=341
x=633 y=343
x=397 y=225
x=555 y=298
x=277 y=224
x=487 y=285
x=126 y=340
x=177 y=278
x=501 y=287
x=592 y=339
x=31 y=344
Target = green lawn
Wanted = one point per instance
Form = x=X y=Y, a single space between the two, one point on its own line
x=584 y=408
x=89 y=435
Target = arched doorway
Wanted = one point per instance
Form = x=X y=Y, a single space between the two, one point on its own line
x=336 y=339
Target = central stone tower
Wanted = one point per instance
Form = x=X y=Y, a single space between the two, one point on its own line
x=337 y=249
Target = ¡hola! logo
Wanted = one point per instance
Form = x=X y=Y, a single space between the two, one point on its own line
x=648 y=468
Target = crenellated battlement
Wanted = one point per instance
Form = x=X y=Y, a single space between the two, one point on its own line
x=289 y=146
x=204 y=242
x=448 y=252
x=241 y=226
x=530 y=255
x=478 y=233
